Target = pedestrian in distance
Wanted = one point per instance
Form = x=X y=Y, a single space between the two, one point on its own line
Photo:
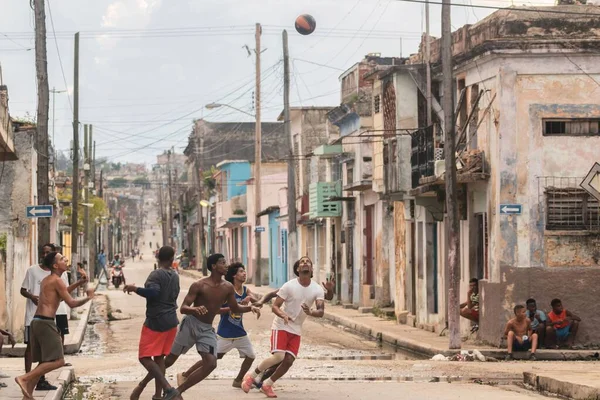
x=160 y=327
x=45 y=341
x=101 y=266
x=230 y=332
x=293 y=304
x=200 y=306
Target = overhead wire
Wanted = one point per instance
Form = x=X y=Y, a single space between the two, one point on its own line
x=62 y=69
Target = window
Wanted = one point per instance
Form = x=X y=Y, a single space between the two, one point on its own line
x=571 y=209
x=572 y=127
x=377 y=104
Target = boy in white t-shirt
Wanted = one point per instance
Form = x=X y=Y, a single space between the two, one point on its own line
x=293 y=304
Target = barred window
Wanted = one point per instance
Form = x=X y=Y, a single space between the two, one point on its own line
x=377 y=104
x=572 y=127
x=571 y=209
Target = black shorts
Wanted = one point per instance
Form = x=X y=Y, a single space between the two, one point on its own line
x=62 y=323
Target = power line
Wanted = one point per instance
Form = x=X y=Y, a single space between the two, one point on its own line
x=62 y=69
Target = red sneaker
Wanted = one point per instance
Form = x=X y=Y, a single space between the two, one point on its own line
x=268 y=390
x=247 y=383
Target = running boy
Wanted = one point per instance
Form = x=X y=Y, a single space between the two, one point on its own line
x=293 y=304
x=46 y=344
x=231 y=333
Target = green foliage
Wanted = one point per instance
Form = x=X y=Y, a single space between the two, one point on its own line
x=3 y=244
x=239 y=212
x=117 y=183
x=141 y=181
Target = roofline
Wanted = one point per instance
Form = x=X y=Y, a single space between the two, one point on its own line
x=226 y=162
x=310 y=108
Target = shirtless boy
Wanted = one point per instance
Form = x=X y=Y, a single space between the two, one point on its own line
x=231 y=333
x=46 y=344
x=292 y=306
x=200 y=306
x=520 y=335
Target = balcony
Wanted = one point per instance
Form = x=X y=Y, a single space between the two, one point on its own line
x=7 y=144
x=232 y=212
x=319 y=204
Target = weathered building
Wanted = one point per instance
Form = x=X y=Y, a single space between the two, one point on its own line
x=527 y=92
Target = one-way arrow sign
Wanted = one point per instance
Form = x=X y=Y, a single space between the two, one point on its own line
x=39 y=211
x=513 y=209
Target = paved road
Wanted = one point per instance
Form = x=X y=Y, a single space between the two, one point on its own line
x=333 y=363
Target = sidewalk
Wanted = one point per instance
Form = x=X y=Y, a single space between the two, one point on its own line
x=61 y=379
x=419 y=342
x=72 y=341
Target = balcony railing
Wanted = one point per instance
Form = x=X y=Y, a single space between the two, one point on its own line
x=422 y=158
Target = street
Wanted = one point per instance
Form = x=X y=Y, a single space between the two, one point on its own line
x=333 y=362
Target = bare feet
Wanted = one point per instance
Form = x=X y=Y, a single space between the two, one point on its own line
x=137 y=392
x=23 y=385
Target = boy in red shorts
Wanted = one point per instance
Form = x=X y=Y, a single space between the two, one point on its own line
x=293 y=304
x=160 y=328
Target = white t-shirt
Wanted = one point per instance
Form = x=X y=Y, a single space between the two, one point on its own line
x=32 y=283
x=63 y=308
x=294 y=295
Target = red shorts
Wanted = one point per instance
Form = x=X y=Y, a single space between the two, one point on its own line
x=284 y=341
x=154 y=344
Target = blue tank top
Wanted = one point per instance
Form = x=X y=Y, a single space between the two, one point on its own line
x=231 y=325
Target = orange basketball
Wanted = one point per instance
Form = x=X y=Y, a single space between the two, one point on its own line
x=305 y=24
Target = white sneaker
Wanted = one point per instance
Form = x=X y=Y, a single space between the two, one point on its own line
x=3 y=375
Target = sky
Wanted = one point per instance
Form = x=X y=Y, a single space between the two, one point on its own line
x=148 y=68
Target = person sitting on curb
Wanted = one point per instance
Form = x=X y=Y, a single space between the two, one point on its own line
x=563 y=326
x=12 y=342
x=470 y=308
x=519 y=335
x=538 y=320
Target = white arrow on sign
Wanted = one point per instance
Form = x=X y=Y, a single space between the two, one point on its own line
x=507 y=209
x=36 y=211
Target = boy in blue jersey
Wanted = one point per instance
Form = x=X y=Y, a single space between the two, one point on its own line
x=231 y=333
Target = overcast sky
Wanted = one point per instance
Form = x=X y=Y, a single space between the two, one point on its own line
x=148 y=67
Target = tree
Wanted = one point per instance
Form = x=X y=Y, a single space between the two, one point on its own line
x=141 y=181
x=118 y=182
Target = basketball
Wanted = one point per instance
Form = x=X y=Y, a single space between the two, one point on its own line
x=305 y=24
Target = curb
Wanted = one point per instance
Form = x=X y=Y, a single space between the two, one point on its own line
x=64 y=380
x=570 y=390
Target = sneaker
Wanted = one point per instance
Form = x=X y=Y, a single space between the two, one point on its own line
x=45 y=385
x=532 y=357
x=474 y=328
x=3 y=375
x=509 y=357
x=268 y=390
x=247 y=383
x=237 y=384
x=171 y=394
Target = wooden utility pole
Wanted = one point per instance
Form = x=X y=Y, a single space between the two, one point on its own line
x=91 y=224
x=428 y=64
x=291 y=176
x=163 y=219
x=257 y=162
x=452 y=222
x=199 y=150
x=170 y=206
x=75 y=191
x=181 y=242
x=86 y=197
x=41 y=66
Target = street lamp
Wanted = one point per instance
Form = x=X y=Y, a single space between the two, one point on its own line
x=212 y=106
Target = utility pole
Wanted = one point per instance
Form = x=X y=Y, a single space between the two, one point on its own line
x=287 y=129
x=75 y=191
x=452 y=225
x=41 y=66
x=428 y=63
x=257 y=161
x=86 y=197
x=163 y=221
x=91 y=224
x=201 y=252
x=180 y=242
x=170 y=207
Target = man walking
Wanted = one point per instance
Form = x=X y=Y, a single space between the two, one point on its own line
x=101 y=266
x=292 y=306
x=200 y=306
x=158 y=333
x=231 y=333
x=45 y=341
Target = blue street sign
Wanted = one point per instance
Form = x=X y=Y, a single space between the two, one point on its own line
x=259 y=229
x=511 y=209
x=39 y=211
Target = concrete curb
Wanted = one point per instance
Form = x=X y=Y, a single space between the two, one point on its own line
x=65 y=379
x=554 y=386
x=72 y=342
